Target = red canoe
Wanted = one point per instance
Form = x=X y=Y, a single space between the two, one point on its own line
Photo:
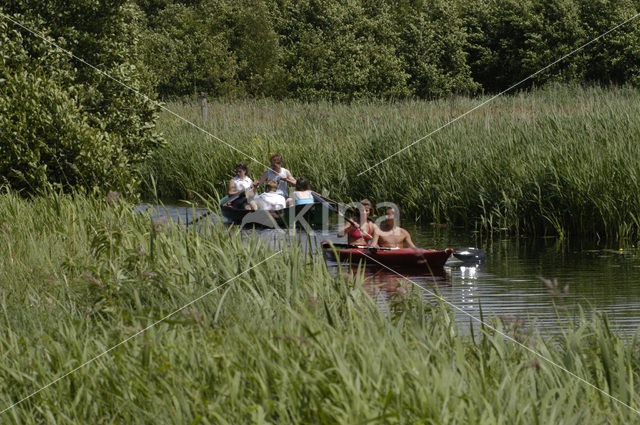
x=387 y=256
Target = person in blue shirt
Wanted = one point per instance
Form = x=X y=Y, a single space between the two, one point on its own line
x=302 y=195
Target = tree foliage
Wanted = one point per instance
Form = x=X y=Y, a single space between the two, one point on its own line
x=354 y=49
x=513 y=39
x=187 y=50
x=62 y=123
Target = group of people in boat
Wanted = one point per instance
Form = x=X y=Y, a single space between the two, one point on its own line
x=275 y=180
x=364 y=232
x=361 y=232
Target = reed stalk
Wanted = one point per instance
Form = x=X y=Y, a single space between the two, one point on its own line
x=287 y=342
x=557 y=161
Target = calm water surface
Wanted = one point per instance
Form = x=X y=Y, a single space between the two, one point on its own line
x=509 y=282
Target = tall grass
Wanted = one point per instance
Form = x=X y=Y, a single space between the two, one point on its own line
x=563 y=160
x=284 y=343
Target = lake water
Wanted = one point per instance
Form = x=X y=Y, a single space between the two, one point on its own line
x=509 y=284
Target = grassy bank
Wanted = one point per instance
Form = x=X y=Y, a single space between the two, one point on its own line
x=284 y=343
x=563 y=160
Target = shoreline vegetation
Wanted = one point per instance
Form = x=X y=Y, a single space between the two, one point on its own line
x=287 y=342
x=279 y=338
x=561 y=160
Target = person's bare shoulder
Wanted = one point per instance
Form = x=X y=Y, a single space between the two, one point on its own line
x=405 y=234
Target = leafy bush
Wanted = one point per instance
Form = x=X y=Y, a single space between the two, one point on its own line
x=62 y=123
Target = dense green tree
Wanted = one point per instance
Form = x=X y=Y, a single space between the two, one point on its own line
x=512 y=39
x=498 y=42
x=554 y=31
x=187 y=50
x=616 y=57
x=257 y=49
x=61 y=122
x=431 y=44
x=339 y=50
x=383 y=49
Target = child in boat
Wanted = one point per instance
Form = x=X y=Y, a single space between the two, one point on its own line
x=240 y=185
x=302 y=194
x=270 y=199
x=362 y=231
x=278 y=174
x=389 y=235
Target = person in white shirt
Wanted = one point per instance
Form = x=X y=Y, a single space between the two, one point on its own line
x=239 y=184
x=270 y=199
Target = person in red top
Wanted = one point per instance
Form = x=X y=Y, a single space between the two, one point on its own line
x=362 y=231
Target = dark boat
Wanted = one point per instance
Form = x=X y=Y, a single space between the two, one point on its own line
x=406 y=257
x=314 y=214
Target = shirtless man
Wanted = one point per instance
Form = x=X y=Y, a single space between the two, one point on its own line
x=388 y=235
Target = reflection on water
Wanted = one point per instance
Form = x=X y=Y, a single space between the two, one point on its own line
x=385 y=285
x=508 y=284
x=378 y=279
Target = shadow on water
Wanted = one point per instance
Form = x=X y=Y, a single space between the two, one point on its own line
x=509 y=284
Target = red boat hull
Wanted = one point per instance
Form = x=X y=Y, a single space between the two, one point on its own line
x=387 y=257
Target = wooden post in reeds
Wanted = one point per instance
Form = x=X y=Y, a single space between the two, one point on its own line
x=204 y=108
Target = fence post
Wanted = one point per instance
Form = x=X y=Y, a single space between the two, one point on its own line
x=203 y=107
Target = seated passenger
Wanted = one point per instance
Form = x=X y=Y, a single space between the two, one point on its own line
x=278 y=174
x=240 y=185
x=361 y=232
x=388 y=235
x=270 y=199
x=302 y=194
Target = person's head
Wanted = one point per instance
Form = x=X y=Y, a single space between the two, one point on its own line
x=302 y=184
x=276 y=161
x=390 y=216
x=241 y=169
x=366 y=207
x=270 y=186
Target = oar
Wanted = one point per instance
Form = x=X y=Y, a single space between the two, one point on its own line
x=236 y=196
x=375 y=248
x=333 y=202
x=324 y=201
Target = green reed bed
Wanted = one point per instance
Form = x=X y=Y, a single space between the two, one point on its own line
x=563 y=160
x=286 y=342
